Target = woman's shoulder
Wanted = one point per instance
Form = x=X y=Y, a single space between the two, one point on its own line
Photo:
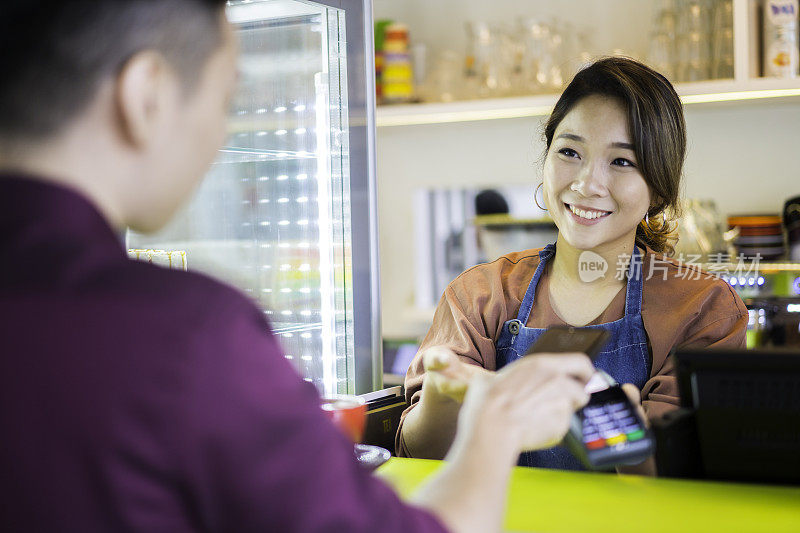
x=504 y=279
x=684 y=305
x=505 y=268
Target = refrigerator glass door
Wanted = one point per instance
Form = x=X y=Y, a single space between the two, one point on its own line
x=272 y=216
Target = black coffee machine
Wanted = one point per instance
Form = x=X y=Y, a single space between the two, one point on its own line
x=774 y=321
x=791 y=221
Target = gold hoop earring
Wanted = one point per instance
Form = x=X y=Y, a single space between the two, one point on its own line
x=536 y=200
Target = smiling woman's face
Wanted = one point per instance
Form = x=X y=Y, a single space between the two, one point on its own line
x=593 y=187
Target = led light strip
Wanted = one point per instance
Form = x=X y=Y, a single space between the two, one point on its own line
x=446 y=117
x=464 y=116
x=738 y=95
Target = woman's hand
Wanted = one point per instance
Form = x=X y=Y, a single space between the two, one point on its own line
x=648 y=466
x=429 y=428
x=636 y=399
x=447 y=375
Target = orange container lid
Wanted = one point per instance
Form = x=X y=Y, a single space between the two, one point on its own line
x=396 y=31
x=754 y=220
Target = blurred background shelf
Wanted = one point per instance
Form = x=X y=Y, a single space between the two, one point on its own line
x=741 y=127
x=777 y=266
x=705 y=92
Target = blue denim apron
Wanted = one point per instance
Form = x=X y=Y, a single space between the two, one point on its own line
x=625 y=357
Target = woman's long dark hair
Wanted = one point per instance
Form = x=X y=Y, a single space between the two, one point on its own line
x=655 y=119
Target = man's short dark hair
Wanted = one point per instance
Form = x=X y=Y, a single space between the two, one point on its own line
x=54 y=55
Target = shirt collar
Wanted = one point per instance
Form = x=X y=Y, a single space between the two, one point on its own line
x=35 y=212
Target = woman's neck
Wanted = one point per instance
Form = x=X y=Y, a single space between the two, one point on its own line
x=573 y=266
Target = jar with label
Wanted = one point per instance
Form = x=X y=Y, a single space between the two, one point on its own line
x=780 y=38
x=397 y=76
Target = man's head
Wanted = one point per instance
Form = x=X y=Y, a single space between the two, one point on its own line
x=125 y=99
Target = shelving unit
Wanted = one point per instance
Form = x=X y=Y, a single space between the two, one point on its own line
x=742 y=88
x=765 y=267
x=706 y=92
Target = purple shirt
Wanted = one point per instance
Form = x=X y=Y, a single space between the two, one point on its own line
x=135 y=398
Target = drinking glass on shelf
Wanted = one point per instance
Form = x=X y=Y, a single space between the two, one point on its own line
x=419 y=65
x=663 y=50
x=556 y=55
x=445 y=82
x=585 y=51
x=542 y=56
x=504 y=60
x=471 y=62
x=693 y=48
x=661 y=55
x=482 y=66
x=697 y=58
x=722 y=47
x=535 y=62
x=517 y=70
x=574 y=53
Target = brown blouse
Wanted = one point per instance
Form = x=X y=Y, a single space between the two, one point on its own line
x=681 y=306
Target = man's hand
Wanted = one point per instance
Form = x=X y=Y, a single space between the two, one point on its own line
x=528 y=404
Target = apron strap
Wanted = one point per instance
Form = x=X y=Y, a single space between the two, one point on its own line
x=633 y=291
x=527 y=302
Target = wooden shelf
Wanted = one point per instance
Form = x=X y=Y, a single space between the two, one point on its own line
x=697 y=93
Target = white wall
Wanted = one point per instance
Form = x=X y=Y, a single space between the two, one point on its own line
x=744 y=156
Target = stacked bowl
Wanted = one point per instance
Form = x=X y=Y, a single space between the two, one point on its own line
x=759 y=236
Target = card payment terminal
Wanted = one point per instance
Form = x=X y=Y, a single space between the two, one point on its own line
x=607 y=431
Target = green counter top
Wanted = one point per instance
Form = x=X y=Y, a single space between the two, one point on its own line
x=554 y=501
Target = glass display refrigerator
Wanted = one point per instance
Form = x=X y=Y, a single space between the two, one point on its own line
x=287 y=212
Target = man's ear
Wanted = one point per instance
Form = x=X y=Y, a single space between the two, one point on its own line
x=145 y=90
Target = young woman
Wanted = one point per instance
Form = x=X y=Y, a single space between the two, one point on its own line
x=616 y=142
